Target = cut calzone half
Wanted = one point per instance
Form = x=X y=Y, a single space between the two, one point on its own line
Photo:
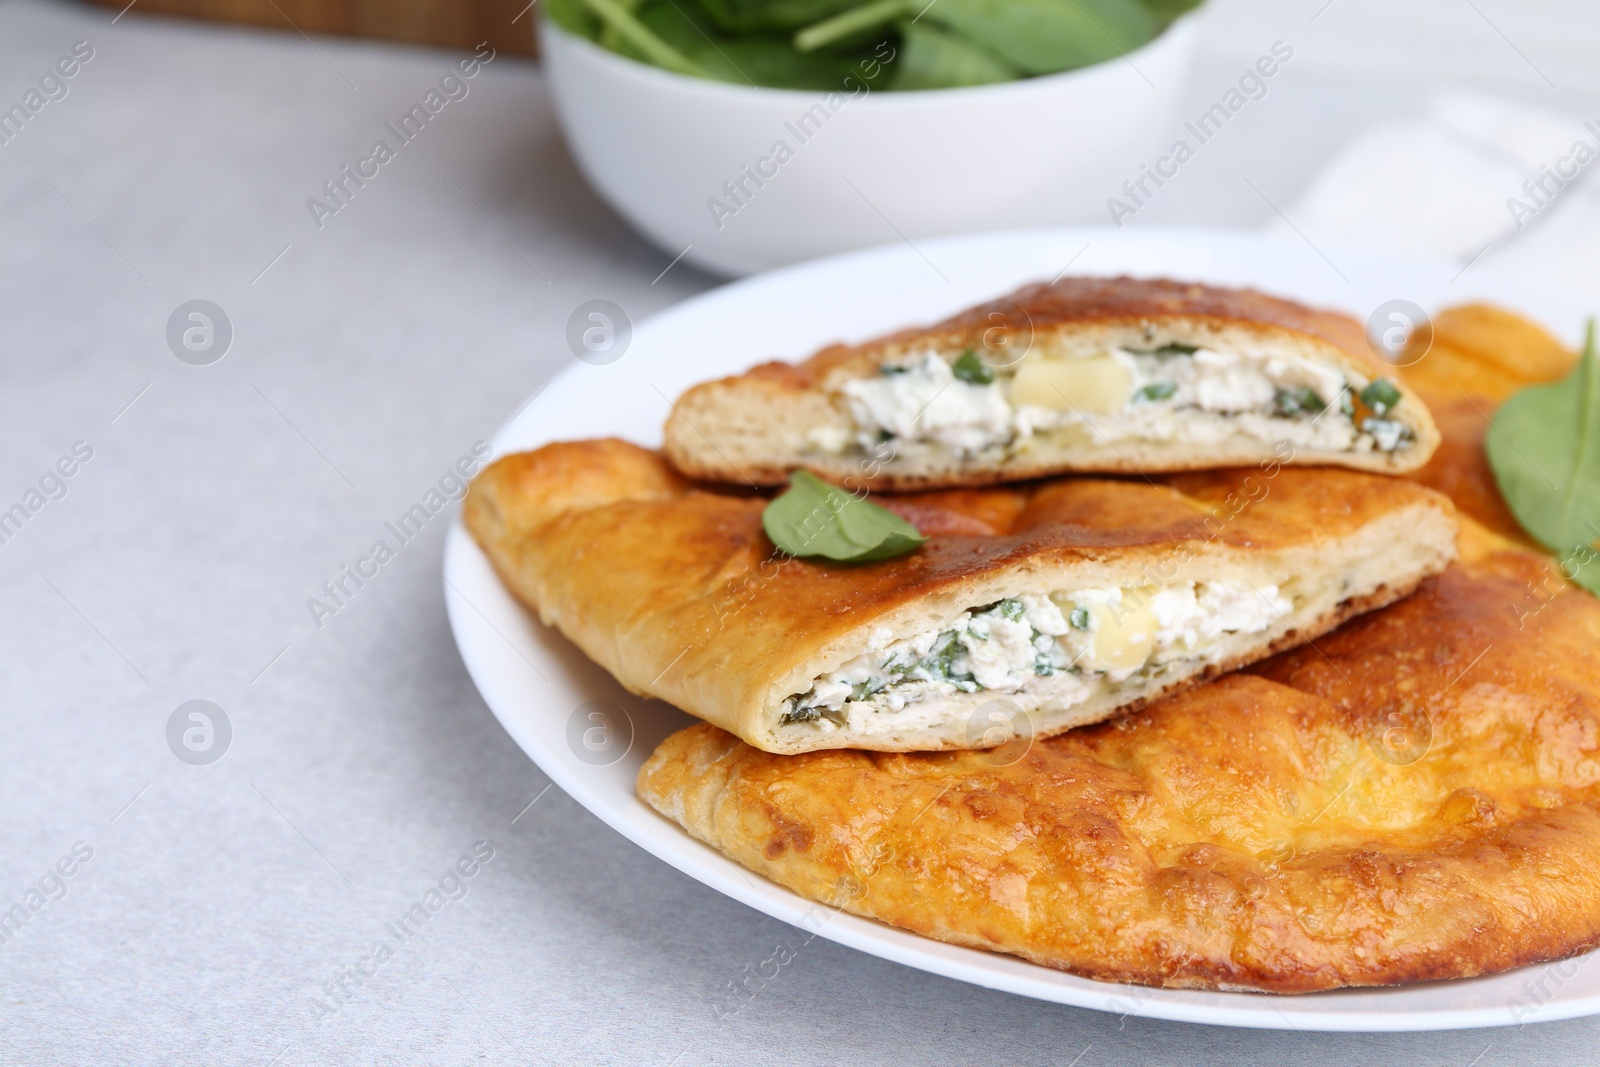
x=1416 y=798
x=1027 y=611
x=1084 y=374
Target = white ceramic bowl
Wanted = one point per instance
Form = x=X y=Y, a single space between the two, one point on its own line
x=864 y=169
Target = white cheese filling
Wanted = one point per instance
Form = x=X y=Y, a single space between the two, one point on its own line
x=1204 y=395
x=1060 y=647
x=925 y=401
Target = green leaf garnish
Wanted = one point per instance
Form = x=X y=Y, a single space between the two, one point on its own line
x=813 y=518
x=1298 y=400
x=1545 y=454
x=1381 y=396
x=1583 y=566
x=1155 y=391
x=969 y=368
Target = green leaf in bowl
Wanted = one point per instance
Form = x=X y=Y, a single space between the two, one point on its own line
x=765 y=59
x=848 y=24
x=1545 y=453
x=933 y=58
x=771 y=16
x=625 y=33
x=775 y=62
x=814 y=518
x=1048 y=36
x=575 y=17
x=1167 y=12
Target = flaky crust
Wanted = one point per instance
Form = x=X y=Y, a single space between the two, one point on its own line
x=733 y=429
x=1475 y=357
x=1416 y=797
x=676 y=590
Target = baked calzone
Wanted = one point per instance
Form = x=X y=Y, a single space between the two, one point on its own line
x=1416 y=797
x=1085 y=374
x=1027 y=611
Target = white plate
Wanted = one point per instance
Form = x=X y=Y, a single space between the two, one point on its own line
x=540 y=686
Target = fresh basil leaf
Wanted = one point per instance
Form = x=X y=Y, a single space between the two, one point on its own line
x=932 y=58
x=1582 y=565
x=813 y=518
x=1545 y=453
x=1047 y=36
x=972 y=370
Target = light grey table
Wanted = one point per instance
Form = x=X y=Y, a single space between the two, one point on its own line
x=220 y=904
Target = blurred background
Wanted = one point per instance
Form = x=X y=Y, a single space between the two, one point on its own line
x=1515 y=46
x=1404 y=126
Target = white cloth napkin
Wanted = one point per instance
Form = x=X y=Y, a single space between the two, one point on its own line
x=1449 y=181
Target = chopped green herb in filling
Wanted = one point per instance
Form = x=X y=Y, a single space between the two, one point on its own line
x=1058 y=646
x=958 y=402
x=1381 y=396
x=1298 y=400
x=1155 y=391
x=950 y=657
x=969 y=368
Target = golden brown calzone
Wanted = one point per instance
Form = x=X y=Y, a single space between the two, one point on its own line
x=1414 y=797
x=1083 y=374
x=1028 y=611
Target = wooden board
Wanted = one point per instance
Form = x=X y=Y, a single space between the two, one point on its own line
x=508 y=25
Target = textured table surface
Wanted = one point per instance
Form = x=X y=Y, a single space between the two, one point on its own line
x=219 y=904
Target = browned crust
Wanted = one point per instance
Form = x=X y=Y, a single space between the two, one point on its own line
x=1244 y=835
x=676 y=590
x=1088 y=301
x=1476 y=357
x=1067 y=304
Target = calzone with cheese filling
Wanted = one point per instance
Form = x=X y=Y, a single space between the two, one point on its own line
x=1083 y=374
x=1028 y=610
x=1415 y=797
